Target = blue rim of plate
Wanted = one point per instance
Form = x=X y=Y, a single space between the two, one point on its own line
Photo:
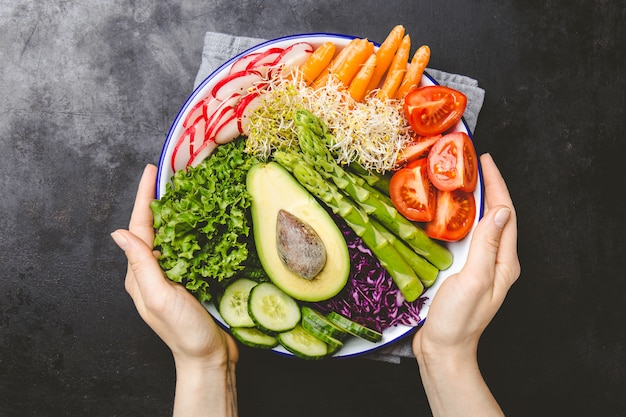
x=192 y=97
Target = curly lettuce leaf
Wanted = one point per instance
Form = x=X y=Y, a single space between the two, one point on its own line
x=202 y=225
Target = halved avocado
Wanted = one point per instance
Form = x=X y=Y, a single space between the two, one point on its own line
x=273 y=189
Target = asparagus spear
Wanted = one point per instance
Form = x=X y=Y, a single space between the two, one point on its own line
x=378 y=180
x=401 y=272
x=314 y=138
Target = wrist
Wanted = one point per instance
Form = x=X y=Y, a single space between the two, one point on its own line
x=205 y=387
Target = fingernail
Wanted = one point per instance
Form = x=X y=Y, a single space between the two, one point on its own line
x=120 y=240
x=502 y=216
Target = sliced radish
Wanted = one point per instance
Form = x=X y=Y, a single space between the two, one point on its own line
x=197 y=111
x=227 y=131
x=182 y=151
x=238 y=82
x=242 y=63
x=295 y=55
x=198 y=134
x=267 y=58
x=225 y=113
x=243 y=110
x=204 y=152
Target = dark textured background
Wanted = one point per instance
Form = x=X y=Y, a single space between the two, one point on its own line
x=88 y=91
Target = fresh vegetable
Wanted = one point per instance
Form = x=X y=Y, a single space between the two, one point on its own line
x=201 y=222
x=434 y=109
x=335 y=64
x=253 y=337
x=354 y=328
x=454 y=217
x=414 y=73
x=303 y=344
x=317 y=62
x=313 y=139
x=384 y=55
x=322 y=328
x=452 y=163
x=233 y=304
x=271 y=309
x=412 y=193
x=416 y=149
x=358 y=85
x=313 y=318
x=353 y=62
x=396 y=71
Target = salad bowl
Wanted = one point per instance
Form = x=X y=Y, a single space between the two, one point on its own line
x=166 y=169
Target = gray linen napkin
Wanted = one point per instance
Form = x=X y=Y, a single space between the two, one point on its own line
x=220 y=47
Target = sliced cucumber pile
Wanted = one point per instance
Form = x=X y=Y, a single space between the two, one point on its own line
x=261 y=315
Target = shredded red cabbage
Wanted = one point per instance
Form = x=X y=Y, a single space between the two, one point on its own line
x=370 y=297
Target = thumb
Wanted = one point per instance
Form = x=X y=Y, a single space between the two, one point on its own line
x=486 y=241
x=144 y=272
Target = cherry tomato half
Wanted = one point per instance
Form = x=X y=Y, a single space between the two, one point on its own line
x=412 y=193
x=434 y=109
x=452 y=163
x=454 y=216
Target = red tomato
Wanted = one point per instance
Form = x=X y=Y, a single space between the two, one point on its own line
x=454 y=217
x=434 y=109
x=452 y=163
x=412 y=193
x=417 y=149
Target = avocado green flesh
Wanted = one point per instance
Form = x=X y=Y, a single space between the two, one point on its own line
x=273 y=189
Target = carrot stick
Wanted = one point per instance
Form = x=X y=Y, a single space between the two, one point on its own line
x=385 y=54
x=317 y=62
x=355 y=58
x=359 y=83
x=334 y=65
x=414 y=72
x=396 y=71
x=401 y=58
x=391 y=84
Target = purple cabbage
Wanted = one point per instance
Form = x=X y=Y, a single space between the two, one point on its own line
x=370 y=297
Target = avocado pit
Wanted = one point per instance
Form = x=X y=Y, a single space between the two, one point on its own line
x=299 y=246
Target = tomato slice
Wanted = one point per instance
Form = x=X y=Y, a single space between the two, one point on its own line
x=412 y=193
x=454 y=217
x=417 y=149
x=434 y=109
x=452 y=163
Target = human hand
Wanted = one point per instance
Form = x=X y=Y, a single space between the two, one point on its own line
x=167 y=307
x=466 y=302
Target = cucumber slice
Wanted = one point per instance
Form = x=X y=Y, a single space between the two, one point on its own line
x=272 y=310
x=313 y=317
x=233 y=305
x=353 y=328
x=251 y=336
x=303 y=344
x=333 y=344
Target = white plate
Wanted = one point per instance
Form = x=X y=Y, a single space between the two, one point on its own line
x=353 y=346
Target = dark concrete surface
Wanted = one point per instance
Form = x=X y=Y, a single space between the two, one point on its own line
x=88 y=90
